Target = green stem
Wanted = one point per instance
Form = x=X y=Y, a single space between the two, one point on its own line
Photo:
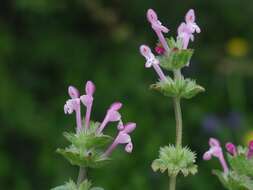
x=179 y=127
x=173 y=180
x=82 y=175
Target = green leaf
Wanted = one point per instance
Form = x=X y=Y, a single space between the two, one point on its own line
x=234 y=181
x=71 y=185
x=175 y=59
x=182 y=88
x=86 y=140
x=92 y=158
x=175 y=160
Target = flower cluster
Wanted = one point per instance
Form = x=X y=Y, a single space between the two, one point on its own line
x=185 y=34
x=112 y=115
x=240 y=174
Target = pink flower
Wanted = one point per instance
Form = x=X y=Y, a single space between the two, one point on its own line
x=216 y=151
x=87 y=100
x=123 y=137
x=157 y=27
x=231 y=148
x=111 y=116
x=151 y=61
x=190 y=21
x=250 y=150
x=186 y=30
x=73 y=105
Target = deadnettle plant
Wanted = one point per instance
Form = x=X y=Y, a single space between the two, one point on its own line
x=173 y=54
x=240 y=174
x=89 y=146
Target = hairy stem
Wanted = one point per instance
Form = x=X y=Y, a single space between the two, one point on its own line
x=179 y=126
x=82 y=175
x=178 y=115
x=173 y=180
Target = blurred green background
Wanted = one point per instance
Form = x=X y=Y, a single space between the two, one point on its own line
x=46 y=45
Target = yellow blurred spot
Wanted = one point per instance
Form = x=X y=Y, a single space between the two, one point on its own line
x=237 y=47
x=248 y=137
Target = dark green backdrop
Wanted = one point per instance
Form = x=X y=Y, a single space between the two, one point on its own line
x=46 y=45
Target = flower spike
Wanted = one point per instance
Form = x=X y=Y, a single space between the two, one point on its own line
x=216 y=151
x=151 y=61
x=111 y=116
x=87 y=100
x=158 y=27
x=123 y=137
x=231 y=148
x=72 y=105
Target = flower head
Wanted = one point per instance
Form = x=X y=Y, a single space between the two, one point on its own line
x=215 y=150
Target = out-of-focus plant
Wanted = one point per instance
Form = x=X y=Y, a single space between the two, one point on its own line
x=240 y=174
x=88 y=144
x=173 y=55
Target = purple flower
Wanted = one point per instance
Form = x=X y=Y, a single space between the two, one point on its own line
x=250 y=150
x=158 y=27
x=73 y=105
x=187 y=28
x=215 y=150
x=112 y=115
x=231 y=148
x=123 y=137
x=151 y=61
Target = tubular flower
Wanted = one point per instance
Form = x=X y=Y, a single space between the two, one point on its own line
x=112 y=115
x=123 y=137
x=151 y=61
x=73 y=105
x=158 y=27
x=187 y=28
x=87 y=101
x=215 y=150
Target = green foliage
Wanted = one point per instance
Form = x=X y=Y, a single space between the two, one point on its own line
x=176 y=59
x=241 y=165
x=182 y=88
x=240 y=175
x=178 y=44
x=71 y=185
x=234 y=181
x=87 y=148
x=175 y=160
